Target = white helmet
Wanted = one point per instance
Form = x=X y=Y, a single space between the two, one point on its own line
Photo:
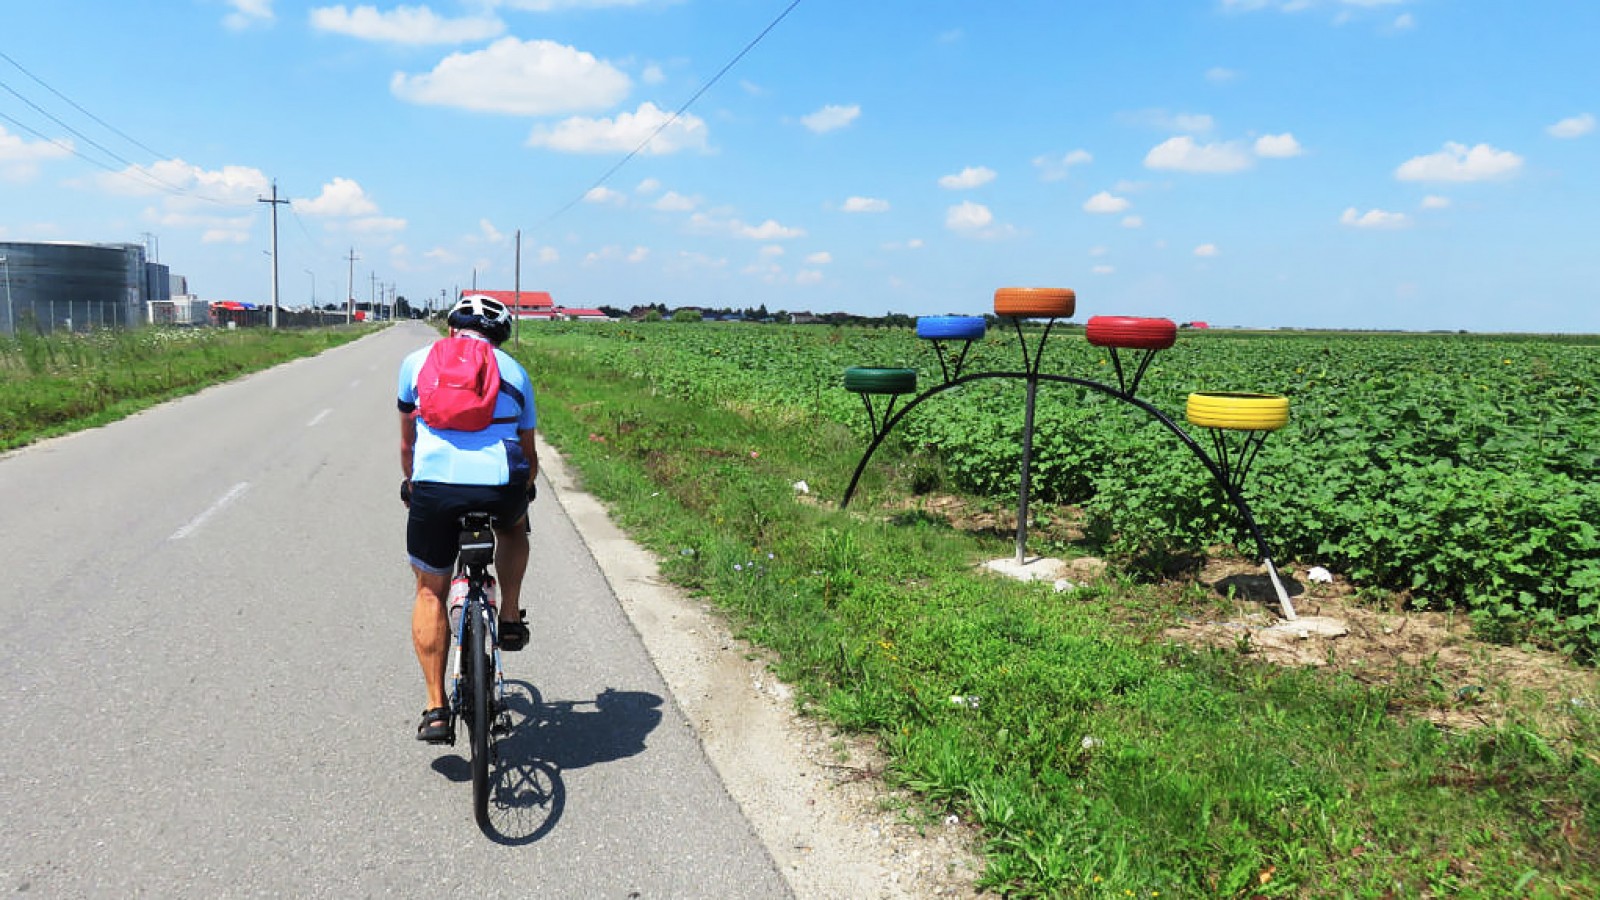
x=483 y=314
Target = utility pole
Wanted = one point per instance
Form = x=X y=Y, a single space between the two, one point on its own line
x=275 y=204
x=516 y=320
x=372 y=294
x=350 y=291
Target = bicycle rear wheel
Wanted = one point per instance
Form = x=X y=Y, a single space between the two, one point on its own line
x=479 y=670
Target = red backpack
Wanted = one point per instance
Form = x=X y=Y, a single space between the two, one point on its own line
x=458 y=385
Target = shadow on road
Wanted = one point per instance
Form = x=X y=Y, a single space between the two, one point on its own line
x=546 y=739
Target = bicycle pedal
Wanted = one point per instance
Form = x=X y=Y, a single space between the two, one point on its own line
x=502 y=725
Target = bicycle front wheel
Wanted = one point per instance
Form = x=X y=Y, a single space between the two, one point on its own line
x=475 y=642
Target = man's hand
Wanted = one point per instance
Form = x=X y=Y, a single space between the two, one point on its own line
x=405 y=492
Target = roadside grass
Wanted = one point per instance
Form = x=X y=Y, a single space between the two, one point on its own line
x=1097 y=758
x=57 y=383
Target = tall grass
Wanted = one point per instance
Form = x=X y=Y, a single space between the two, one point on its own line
x=1096 y=758
x=52 y=384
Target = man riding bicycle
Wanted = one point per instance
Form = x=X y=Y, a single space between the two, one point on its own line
x=450 y=471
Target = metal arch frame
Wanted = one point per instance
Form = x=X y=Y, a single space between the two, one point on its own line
x=1230 y=478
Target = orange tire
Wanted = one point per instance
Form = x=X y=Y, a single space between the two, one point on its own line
x=1240 y=412
x=1035 y=303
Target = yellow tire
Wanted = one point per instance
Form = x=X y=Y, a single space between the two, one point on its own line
x=1240 y=412
x=1035 y=303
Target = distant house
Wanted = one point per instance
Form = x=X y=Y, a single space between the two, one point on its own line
x=1197 y=324
x=529 y=305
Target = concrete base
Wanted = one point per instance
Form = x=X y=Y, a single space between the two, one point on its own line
x=1306 y=627
x=1034 y=568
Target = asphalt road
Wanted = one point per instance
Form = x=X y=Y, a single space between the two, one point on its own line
x=210 y=689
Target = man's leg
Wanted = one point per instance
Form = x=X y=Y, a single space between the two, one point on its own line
x=430 y=632
x=510 y=561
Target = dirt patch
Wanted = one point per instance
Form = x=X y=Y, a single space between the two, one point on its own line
x=1474 y=683
x=1466 y=682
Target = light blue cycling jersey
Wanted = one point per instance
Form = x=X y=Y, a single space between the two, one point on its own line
x=491 y=456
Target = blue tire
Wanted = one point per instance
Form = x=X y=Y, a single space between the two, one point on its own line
x=951 y=328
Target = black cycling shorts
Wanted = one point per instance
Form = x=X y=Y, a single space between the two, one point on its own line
x=433 y=530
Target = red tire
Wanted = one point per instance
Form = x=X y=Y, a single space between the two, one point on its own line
x=1131 y=332
x=1035 y=303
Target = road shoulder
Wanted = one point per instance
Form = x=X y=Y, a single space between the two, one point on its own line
x=814 y=797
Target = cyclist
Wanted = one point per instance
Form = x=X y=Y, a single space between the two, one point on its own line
x=451 y=472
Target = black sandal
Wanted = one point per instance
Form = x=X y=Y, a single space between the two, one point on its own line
x=514 y=635
x=436 y=727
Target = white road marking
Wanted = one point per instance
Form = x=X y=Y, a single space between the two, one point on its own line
x=233 y=494
x=318 y=418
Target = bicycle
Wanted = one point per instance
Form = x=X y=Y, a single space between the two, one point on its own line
x=477 y=692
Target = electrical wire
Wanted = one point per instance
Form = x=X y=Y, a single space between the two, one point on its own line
x=107 y=125
x=672 y=118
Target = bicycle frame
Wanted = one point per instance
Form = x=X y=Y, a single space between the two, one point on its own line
x=476 y=555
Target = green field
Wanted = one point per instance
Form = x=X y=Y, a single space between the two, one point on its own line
x=1097 y=756
x=1461 y=471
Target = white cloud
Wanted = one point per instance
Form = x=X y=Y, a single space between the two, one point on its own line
x=771 y=251
x=1052 y=168
x=1220 y=75
x=970 y=177
x=648 y=186
x=557 y=5
x=1105 y=202
x=769 y=230
x=652 y=74
x=865 y=205
x=376 y=225
x=247 y=14
x=1374 y=218
x=230 y=184
x=968 y=216
x=1206 y=250
x=807 y=276
x=1278 y=146
x=1403 y=22
x=831 y=118
x=820 y=258
x=1434 y=201
x=1576 y=126
x=1099 y=251
x=624 y=133
x=339 y=197
x=527 y=78
x=404 y=25
x=1182 y=154
x=600 y=194
x=672 y=201
x=1104 y=270
x=638 y=254
x=489 y=232
x=19 y=158
x=1132 y=221
x=1161 y=120
x=548 y=255
x=1458 y=162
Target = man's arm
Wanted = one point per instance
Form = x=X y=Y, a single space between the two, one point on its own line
x=530 y=451
x=408 y=442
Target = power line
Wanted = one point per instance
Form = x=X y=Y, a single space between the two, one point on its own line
x=675 y=116
x=74 y=105
x=141 y=170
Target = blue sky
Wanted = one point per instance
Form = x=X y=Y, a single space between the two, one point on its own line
x=1411 y=164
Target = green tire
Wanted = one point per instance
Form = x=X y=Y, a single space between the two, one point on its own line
x=867 y=380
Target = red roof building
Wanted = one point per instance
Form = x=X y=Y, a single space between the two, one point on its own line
x=534 y=303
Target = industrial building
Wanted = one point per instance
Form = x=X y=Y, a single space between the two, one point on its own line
x=63 y=285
